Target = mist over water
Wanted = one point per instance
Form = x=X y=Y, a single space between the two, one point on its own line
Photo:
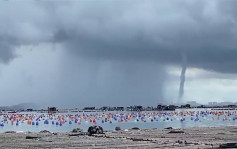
x=111 y=82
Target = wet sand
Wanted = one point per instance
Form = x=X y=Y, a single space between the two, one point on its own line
x=147 y=138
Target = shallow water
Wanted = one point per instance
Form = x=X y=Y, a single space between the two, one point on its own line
x=162 y=122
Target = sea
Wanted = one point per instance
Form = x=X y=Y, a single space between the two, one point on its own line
x=185 y=121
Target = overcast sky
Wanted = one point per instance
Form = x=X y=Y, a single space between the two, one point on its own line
x=83 y=53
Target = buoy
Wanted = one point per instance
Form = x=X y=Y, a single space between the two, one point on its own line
x=46 y=122
x=29 y=122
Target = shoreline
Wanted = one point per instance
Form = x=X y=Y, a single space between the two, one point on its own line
x=195 y=137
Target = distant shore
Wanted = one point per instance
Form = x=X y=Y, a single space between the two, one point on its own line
x=203 y=137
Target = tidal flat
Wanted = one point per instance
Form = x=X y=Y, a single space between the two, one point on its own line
x=196 y=137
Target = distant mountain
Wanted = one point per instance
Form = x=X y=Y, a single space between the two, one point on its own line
x=21 y=106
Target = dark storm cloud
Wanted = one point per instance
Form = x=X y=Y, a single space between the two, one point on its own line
x=6 y=52
x=21 y=24
x=202 y=30
x=156 y=30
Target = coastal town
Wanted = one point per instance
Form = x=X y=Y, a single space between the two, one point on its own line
x=160 y=107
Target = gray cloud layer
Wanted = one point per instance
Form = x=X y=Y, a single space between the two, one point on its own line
x=155 y=30
x=205 y=31
x=127 y=33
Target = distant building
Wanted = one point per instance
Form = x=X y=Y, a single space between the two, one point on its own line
x=232 y=106
x=166 y=107
x=120 y=108
x=226 y=103
x=201 y=106
x=212 y=104
x=193 y=103
x=161 y=107
x=170 y=107
x=105 y=108
x=111 y=108
x=29 y=110
x=52 y=109
x=89 y=108
x=149 y=108
x=129 y=108
x=138 y=108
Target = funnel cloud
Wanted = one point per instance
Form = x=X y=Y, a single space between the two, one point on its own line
x=182 y=76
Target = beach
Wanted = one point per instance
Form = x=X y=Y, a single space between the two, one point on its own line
x=196 y=137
